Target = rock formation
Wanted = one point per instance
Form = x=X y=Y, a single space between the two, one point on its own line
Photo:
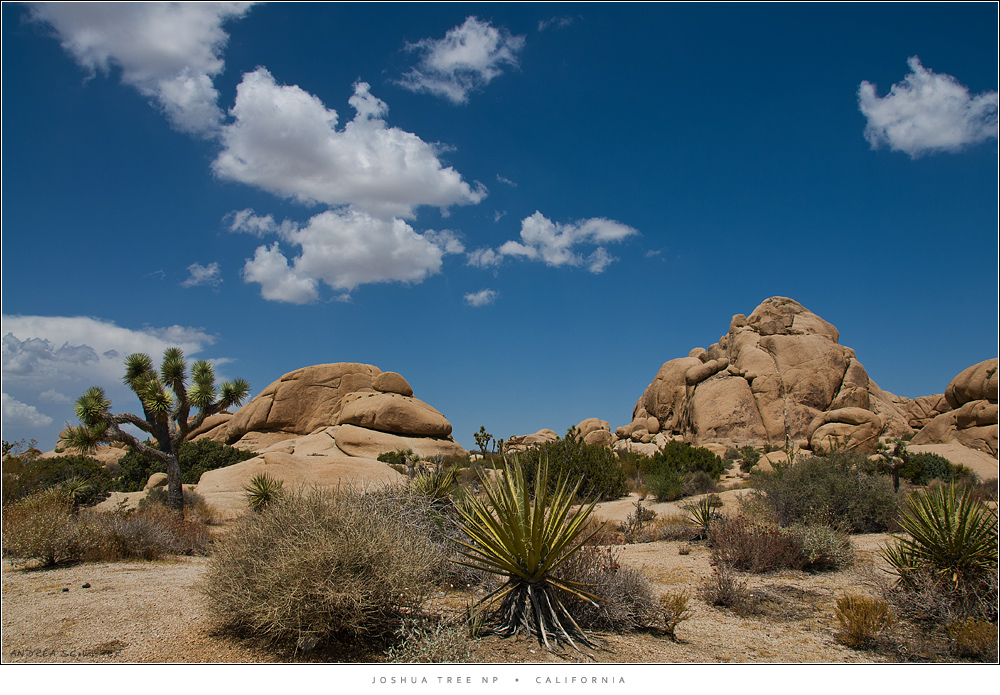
x=322 y=425
x=971 y=419
x=778 y=375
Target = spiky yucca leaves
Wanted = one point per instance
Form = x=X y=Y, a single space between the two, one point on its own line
x=953 y=537
x=524 y=539
x=166 y=407
x=262 y=490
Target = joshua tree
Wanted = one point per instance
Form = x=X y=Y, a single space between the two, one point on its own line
x=166 y=417
x=483 y=439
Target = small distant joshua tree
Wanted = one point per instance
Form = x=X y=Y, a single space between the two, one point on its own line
x=166 y=414
x=483 y=439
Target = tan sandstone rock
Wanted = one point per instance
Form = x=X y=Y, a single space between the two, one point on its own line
x=366 y=443
x=765 y=383
x=393 y=413
x=973 y=423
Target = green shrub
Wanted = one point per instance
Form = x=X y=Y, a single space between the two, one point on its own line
x=840 y=489
x=571 y=459
x=40 y=527
x=325 y=565
x=680 y=469
x=920 y=469
x=87 y=481
x=675 y=611
x=749 y=457
x=195 y=458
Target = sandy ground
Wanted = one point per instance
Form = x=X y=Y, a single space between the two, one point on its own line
x=142 y=612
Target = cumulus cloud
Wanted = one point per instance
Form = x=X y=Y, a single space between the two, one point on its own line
x=345 y=248
x=285 y=141
x=555 y=244
x=467 y=58
x=481 y=298
x=18 y=414
x=53 y=359
x=170 y=52
x=927 y=112
x=203 y=275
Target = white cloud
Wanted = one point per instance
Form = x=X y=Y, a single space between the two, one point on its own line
x=54 y=396
x=18 y=414
x=345 y=248
x=507 y=181
x=285 y=141
x=481 y=298
x=467 y=58
x=555 y=244
x=42 y=351
x=169 y=52
x=199 y=275
x=278 y=282
x=557 y=22
x=927 y=112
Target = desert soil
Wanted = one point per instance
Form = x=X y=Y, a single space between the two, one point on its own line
x=141 y=612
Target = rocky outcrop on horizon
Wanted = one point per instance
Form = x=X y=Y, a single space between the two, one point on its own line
x=971 y=419
x=777 y=375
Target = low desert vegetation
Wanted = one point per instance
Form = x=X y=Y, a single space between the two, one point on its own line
x=680 y=470
x=323 y=566
x=841 y=489
x=597 y=467
x=46 y=529
x=195 y=458
x=25 y=472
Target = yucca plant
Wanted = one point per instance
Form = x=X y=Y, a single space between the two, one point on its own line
x=701 y=514
x=435 y=484
x=953 y=537
x=262 y=490
x=525 y=539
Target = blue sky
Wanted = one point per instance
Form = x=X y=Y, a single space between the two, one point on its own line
x=525 y=209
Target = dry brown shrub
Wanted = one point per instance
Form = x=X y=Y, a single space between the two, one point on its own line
x=974 y=638
x=727 y=590
x=675 y=611
x=863 y=620
x=40 y=527
x=626 y=597
x=754 y=546
x=147 y=534
x=324 y=565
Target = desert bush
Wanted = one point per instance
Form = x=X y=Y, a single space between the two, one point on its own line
x=430 y=642
x=862 y=620
x=436 y=484
x=87 y=481
x=701 y=514
x=150 y=533
x=40 y=527
x=674 y=606
x=841 y=488
x=759 y=546
x=680 y=469
x=749 y=458
x=920 y=469
x=195 y=458
x=571 y=459
x=625 y=597
x=724 y=588
x=196 y=509
x=636 y=522
x=824 y=547
x=325 y=565
x=974 y=638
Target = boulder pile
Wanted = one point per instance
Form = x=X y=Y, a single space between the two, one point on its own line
x=968 y=414
x=777 y=376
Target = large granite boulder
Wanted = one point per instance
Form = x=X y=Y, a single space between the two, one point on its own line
x=973 y=421
x=777 y=375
